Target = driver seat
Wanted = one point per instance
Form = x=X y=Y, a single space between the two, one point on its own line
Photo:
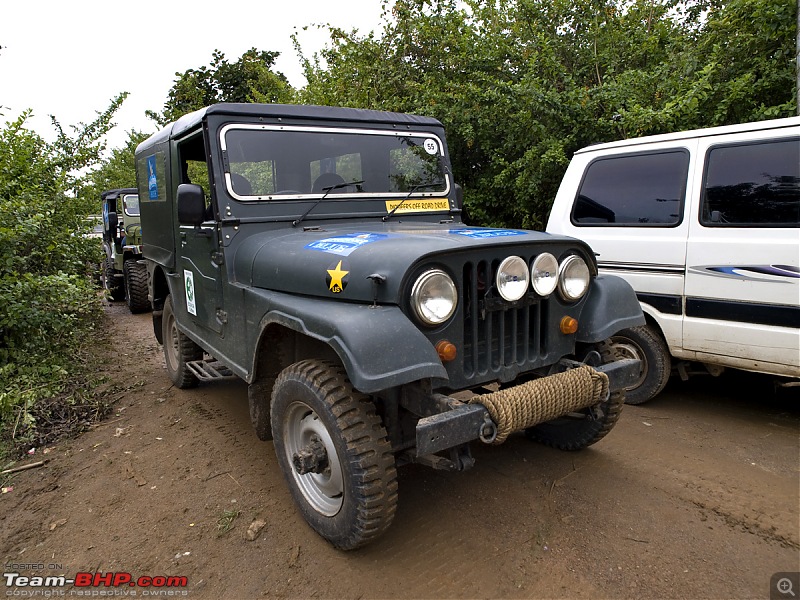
x=325 y=180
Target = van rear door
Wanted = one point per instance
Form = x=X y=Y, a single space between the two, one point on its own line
x=743 y=255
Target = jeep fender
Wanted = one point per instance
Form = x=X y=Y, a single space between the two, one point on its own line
x=379 y=346
x=610 y=307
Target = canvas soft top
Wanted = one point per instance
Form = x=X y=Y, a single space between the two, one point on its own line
x=288 y=111
x=116 y=193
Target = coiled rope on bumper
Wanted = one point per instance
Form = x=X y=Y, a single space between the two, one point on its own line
x=544 y=399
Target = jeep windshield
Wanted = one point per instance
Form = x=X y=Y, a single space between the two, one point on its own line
x=131 y=203
x=273 y=162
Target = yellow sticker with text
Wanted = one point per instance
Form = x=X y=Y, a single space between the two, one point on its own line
x=418 y=205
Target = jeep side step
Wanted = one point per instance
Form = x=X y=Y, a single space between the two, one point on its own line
x=209 y=369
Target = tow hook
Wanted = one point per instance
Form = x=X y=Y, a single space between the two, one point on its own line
x=312 y=458
x=488 y=431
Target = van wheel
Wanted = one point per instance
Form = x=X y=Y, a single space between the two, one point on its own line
x=647 y=346
x=136 y=286
x=579 y=430
x=178 y=349
x=334 y=453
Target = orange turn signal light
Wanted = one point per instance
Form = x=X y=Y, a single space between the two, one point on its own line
x=568 y=325
x=446 y=350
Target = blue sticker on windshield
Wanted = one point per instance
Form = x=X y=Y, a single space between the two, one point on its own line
x=344 y=245
x=486 y=233
x=152 y=181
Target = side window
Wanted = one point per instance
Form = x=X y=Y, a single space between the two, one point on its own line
x=754 y=184
x=194 y=168
x=633 y=190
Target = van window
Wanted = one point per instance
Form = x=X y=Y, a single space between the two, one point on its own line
x=752 y=184
x=633 y=190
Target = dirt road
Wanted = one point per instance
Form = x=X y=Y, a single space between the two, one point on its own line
x=694 y=495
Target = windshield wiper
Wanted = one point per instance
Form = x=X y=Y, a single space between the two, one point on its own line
x=327 y=191
x=413 y=189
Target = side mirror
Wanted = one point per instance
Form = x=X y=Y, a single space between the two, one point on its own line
x=191 y=204
x=113 y=223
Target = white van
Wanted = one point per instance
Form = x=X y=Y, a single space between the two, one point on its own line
x=705 y=225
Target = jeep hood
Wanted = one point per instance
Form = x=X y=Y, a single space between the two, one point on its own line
x=339 y=261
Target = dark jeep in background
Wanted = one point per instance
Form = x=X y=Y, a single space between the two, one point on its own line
x=319 y=254
x=123 y=272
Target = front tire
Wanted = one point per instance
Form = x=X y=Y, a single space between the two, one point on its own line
x=334 y=453
x=577 y=431
x=178 y=349
x=647 y=346
x=136 y=286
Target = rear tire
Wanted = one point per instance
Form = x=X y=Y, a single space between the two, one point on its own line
x=178 y=349
x=136 y=286
x=349 y=492
x=580 y=430
x=647 y=346
x=111 y=282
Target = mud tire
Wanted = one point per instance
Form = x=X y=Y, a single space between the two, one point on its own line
x=580 y=430
x=179 y=350
x=648 y=346
x=136 y=286
x=113 y=285
x=353 y=500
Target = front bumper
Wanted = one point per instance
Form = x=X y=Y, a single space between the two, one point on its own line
x=461 y=423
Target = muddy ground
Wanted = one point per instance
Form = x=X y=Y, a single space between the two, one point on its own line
x=694 y=495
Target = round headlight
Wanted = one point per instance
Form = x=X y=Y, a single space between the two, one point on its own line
x=512 y=278
x=544 y=274
x=573 y=278
x=434 y=297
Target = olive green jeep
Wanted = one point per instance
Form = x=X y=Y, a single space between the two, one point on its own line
x=123 y=271
x=320 y=255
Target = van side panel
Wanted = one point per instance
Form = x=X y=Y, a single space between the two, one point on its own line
x=721 y=290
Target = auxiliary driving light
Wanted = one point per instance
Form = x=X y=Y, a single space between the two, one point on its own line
x=512 y=278
x=544 y=274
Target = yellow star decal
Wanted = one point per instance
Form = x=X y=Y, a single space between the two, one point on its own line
x=337 y=275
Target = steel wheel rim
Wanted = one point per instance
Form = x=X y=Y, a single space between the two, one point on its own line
x=324 y=491
x=171 y=345
x=627 y=348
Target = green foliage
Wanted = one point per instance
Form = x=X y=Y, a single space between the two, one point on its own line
x=521 y=84
x=249 y=79
x=48 y=307
x=118 y=170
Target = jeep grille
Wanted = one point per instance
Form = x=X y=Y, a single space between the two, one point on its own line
x=499 y=337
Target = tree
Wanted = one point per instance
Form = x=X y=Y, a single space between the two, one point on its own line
x=118 y=170
x=521 y=84
x=249 y=79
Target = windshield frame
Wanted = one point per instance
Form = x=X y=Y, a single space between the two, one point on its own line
x=333 y=194
x=129 y=211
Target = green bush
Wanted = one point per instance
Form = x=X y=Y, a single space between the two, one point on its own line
x=49 y=307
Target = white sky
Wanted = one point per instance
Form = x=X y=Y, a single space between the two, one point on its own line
x=68 y=58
